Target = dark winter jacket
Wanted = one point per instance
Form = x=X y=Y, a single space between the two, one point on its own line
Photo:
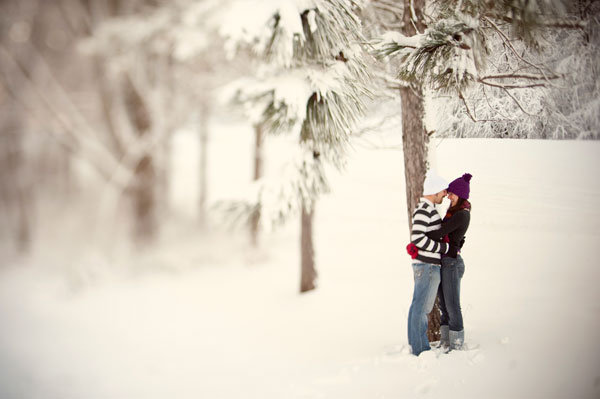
x=454 y=226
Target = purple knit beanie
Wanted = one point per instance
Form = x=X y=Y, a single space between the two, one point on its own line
x=461 y=186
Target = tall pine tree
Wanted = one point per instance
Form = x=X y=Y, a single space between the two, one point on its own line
x=311 y=83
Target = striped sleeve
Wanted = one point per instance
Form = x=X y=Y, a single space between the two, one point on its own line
x=422 y=222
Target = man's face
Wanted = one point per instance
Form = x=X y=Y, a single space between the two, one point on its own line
x=439 y=197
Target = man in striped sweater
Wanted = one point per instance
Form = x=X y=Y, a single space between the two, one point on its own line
x=426 y=260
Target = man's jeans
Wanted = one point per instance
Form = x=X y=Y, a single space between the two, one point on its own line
x=449 y=293
x=427 y=280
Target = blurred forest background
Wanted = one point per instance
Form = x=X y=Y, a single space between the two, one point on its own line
x=92 y=93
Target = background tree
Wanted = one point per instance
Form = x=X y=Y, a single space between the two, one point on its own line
x=110 y=81
x=61 y=90
x=33 y=151
x=560 y=109
x=311 y=85
x=444 y=47
x=166 y=71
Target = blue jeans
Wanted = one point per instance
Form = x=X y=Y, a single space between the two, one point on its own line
x=449 y=293
x=427 y=280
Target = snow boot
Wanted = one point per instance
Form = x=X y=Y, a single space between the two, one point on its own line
x=445 y=336
x=457 y=339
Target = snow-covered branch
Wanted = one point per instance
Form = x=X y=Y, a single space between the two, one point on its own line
x=511 y=86
x=278 y=198
x=508 y=43
x=520 y=76
x=312 y=83
x=469 y=112
x=551 y=22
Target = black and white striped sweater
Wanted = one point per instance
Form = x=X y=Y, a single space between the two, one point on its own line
x=426 y=219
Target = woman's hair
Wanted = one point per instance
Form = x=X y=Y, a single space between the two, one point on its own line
x=456 y=207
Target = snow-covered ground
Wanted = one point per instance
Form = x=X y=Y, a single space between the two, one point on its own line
x=214 y=319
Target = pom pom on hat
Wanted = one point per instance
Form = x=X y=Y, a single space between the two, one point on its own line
x=461 y=186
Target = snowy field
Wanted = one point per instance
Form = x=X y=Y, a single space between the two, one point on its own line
x=213 y=319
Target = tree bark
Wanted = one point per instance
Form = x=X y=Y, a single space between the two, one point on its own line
x=15 y=186
x=144 y=202
x=258 y=171
x=143 y=190
x=309 y=273
x=16 y=190
x=415 y=140
x=24 y=224
x=414 y=145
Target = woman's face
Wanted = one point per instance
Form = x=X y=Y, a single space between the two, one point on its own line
x=453 y=198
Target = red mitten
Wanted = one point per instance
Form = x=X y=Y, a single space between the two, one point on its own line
x=412 y=250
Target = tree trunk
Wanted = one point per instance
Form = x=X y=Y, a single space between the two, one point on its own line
x=144 y=202
x=414 y=145
x=309 y=273
x=143 y=190
x=162 y=161
x=19 y=192
x=24 y=223
x=15 y=187
x=415 y=140
x=414 y=136
x=258 y=167
x=203 y=185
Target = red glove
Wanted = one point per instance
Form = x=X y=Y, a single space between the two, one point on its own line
x=446 y=239
x=412 y=250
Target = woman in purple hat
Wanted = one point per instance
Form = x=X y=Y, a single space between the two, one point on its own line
x=454 y=227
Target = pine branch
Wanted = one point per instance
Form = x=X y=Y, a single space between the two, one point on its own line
x=511 y=86
x=517 y=102
x=521 y=76
x=413 y=17
x=387 y=82
x=550 y=23
x=460 y=95
x=469 y=113
x=507 y=42
x=487 y=99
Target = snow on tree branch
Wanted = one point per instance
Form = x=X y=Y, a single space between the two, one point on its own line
x=311 y=82
x=278 y=198
x=445 y=57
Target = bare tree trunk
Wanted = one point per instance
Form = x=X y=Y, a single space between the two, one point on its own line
x=415 y=140
x=162 y=162
x=143 y=189
x=20 y=198
x=204 y=116
x=414 y=145
x=24 y=222
x=309 y=273
x=15 y=186
x=258 y=167
x=23 y=193
x=144 y=202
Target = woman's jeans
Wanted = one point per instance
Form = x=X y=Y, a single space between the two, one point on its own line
x=452 y=272
x=427 y=280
